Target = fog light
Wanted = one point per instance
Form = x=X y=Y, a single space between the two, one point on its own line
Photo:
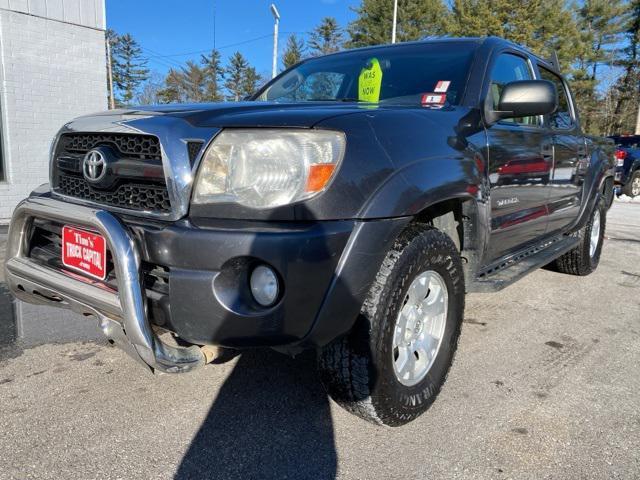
x=264 y=285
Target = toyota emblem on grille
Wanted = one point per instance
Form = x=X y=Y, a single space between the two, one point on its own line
x=94 y=166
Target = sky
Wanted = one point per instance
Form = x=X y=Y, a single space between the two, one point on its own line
x=173 y=31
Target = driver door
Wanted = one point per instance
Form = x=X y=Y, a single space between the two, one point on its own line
x=520 y=163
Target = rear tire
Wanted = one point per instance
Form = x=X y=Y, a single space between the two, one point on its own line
x=390 y=367
x=632 y=187
x=584 y=259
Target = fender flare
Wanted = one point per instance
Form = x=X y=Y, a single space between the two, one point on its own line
x=594 y=182
x=424 y=183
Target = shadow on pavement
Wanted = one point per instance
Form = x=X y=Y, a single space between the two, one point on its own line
x=271 y=419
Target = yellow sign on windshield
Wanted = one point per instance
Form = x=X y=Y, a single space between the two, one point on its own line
x=369 y=82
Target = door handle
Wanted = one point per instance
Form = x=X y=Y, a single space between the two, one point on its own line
x=547 y=150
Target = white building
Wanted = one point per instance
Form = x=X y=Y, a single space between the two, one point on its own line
x=52 y=69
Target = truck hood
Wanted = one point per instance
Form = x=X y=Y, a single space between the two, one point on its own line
x=245 y=114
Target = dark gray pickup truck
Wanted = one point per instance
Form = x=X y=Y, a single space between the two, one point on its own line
x=348 y=207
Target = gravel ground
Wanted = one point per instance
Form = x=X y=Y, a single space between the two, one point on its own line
x=545 y=385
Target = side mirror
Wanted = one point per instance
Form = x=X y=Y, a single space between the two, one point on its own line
x=525 y=98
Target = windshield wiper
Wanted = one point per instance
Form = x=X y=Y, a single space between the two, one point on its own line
x=332 y=100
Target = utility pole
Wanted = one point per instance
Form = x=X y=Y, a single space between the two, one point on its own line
x=638 y=122
x=276 y=17
x=395 y=21
x=112 y=103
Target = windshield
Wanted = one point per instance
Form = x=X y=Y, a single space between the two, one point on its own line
x=403 y=74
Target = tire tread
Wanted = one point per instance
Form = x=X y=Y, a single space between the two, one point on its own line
x=345 y=369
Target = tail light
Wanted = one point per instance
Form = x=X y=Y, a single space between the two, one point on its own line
x=620 y=156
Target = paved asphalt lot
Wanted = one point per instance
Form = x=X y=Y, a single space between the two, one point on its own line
x=545 y=385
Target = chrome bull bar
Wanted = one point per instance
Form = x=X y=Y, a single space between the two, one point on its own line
x=122 y=315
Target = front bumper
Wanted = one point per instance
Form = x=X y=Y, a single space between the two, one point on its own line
x=325 y=267
x=122 y=315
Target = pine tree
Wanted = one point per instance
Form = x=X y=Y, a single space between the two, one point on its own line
x=326 y=37
x=477 y=18
x=214 y=75
x=128 y=65
x=601 y=24
x=194 y=82
x=543 y=26
x=235 y=76
x=602 y=21
x=250 y=81
x=416 y=19
x=293 y=52
x=174 y=89
x=626 y=96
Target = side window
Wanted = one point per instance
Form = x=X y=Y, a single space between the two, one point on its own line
x=561 y=119
x=510 y=68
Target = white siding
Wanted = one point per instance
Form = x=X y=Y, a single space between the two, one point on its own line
x=50 y=72
x=89 y=13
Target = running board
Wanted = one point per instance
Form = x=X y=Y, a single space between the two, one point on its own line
x=522 y=264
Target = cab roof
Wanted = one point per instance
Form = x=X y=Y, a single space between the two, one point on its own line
x=492 y=41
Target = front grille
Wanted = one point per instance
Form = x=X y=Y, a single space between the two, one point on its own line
x=137 y=183
x=128 y=195
x=129 y=145
x=45 y=247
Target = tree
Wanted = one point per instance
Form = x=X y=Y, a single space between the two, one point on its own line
x=543 y=26
x=173 y=91
x=326 y=37
x=128 y=65
x=294 y=51
x=477 y=18
x=416 y=19
x=600 y=23
x=193 y=82
x=214 y=75
x=625 y=92
x=150 y=91
x=250 y=81
x=235 y=76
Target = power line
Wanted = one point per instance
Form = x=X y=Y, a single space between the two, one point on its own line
x=244 y=42
x=160 y=61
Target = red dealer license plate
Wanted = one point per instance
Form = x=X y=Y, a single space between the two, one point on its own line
x=84 y=252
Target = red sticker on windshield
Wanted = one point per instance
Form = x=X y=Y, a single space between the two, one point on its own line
x=442 y=86
x=433 y=99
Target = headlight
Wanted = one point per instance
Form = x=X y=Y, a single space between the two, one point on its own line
x=266 y=168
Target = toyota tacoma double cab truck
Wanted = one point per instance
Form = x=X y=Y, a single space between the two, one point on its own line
x=347 y=207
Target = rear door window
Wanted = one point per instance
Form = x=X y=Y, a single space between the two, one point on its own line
x=562 y=118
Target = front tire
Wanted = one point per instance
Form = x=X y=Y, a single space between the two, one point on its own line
x=391 y=366
x=584 y=259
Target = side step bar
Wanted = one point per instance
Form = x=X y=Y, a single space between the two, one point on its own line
x=521 y=265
